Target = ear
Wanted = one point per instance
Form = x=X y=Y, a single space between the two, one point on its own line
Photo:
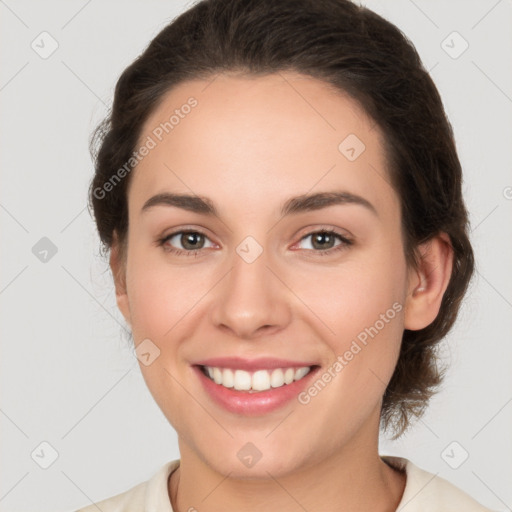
x=427 y=284
x=118 y=267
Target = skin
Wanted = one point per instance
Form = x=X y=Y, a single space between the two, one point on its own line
x=249 y=145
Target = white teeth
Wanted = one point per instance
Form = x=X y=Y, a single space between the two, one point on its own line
x=277 y=378
x=301 y=372
x=228 y=379
x=242 y=380
x=217 y=375
x=260 y=380
x=289 y=374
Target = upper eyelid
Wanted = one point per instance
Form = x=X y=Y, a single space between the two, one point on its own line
x=323 y=228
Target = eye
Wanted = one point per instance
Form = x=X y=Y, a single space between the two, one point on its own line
x=192 y=242
x=323 y=241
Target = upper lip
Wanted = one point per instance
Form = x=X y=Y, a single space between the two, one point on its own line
x=262 y=363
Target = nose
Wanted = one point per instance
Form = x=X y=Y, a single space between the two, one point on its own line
x=252 y=299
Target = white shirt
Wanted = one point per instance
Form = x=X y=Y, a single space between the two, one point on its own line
x=424 y=492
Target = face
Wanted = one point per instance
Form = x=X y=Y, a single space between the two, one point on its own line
x=257 y=281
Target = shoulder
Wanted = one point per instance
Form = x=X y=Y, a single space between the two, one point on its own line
x=149 y=495
x=428 y=492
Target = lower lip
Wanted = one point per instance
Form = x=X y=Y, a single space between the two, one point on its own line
x=256 y=403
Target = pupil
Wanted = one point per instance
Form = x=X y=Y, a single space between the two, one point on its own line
x=189 y=239
x=325 y=237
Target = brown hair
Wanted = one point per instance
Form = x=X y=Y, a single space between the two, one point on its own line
x=359 y=53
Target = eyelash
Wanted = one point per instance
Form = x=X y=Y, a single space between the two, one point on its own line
x=180 y=252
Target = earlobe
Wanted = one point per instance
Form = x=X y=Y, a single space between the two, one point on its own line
x=428 y=283
x=118 y=268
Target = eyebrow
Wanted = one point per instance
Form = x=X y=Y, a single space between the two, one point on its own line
x=294 y=205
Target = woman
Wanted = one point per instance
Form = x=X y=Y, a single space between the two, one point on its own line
x=280 y=193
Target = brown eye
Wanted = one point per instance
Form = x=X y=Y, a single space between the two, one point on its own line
x=324 y=241
x=184 y=242
x=191 y=240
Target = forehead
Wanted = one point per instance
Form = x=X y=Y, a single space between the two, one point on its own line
x=256 y=138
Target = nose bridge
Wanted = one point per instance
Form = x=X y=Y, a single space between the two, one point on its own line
x=251 y=296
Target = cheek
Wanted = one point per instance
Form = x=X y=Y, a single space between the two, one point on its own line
x=353 y=296
x=163 y=301
x=359 y=310
x=161 y=296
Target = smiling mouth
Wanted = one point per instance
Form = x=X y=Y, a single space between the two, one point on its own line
x=257 y=381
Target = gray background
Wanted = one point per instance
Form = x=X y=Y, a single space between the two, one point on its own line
x=68 y=377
